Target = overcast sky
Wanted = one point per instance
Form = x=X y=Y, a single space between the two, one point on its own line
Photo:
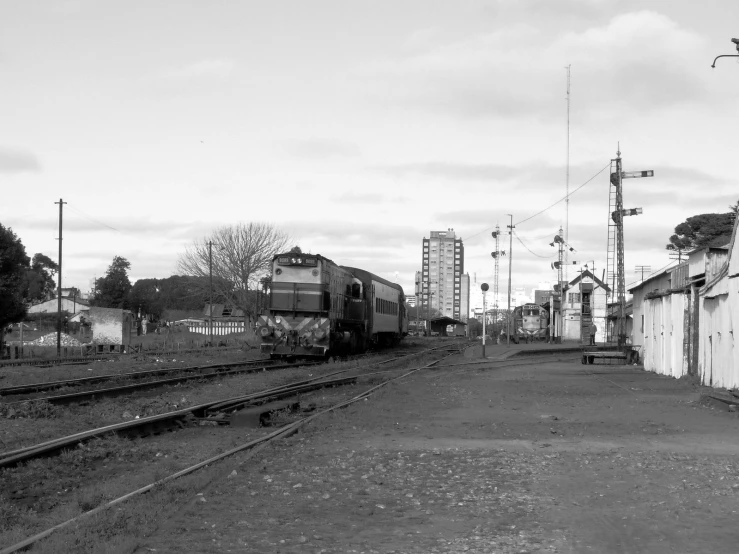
x=358 y=127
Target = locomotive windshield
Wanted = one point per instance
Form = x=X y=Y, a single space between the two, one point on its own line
x=297 y=260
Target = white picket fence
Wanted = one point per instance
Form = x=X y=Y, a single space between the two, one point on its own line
x=219 y=327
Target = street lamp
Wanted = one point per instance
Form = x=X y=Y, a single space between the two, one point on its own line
x=736 y=43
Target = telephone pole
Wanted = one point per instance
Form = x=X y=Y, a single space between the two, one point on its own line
x=59 y=286
x=643 y=268
x=510 y=266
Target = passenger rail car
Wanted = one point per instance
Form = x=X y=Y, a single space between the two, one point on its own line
x=318 y=308
x=531 y=322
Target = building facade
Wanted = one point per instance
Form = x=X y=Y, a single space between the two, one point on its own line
x=442 y=266
x=464 y=313
x=585 y=302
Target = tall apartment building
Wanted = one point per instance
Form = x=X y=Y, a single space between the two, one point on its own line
x=441 y=275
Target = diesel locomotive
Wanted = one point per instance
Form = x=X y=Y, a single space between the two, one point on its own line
x=318 y=309
x=531 y=322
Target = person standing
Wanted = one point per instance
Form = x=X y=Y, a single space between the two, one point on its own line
x=593 y=330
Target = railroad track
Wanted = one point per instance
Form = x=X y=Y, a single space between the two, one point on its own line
x=202 y=372
x=282 y=432
x=74 y=360
x=156 y=424
x=52 y=385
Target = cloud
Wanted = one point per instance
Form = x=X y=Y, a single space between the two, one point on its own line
x=319 y=148
x=642 y=60
x=204 y=68
x=17 y=161
x=369 y=198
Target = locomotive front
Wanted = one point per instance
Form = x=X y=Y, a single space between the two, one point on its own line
x=298 y=322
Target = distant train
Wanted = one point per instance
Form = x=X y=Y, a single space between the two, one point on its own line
x=531 y=322
x=318 y=309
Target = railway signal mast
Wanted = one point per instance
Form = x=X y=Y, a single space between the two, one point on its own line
x=615 y=258
x=496 y=256
x=560 y=266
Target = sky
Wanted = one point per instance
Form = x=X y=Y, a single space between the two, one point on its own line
x=359 y=127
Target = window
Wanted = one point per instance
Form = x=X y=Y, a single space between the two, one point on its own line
x=574 y=297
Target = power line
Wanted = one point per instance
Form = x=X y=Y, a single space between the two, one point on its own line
x=549 y=207
x=566 y=196
x=527 y=248
x=83 y=214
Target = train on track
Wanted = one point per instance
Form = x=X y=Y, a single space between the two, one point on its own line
x=318 y=309
x=531 y=322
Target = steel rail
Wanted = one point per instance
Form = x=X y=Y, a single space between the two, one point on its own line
x=282 y=432
x=106 y=356
x=39 y=387
x=12 y=458
x=125 y=389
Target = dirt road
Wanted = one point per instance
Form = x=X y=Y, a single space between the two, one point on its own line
x=555 y=457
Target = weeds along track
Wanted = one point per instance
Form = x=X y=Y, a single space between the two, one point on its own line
x=27 y=392
x=207 y=371
x=214 y=411
x=86 y=359
x=252 y=446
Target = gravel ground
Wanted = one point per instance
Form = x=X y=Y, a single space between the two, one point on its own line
x=549 y=457
x=545 y=458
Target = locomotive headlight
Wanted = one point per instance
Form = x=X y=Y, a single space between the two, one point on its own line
x=265 y=332
x=319 y=333
x=315 y=273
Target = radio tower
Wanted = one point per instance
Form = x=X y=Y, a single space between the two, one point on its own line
x=567 y=173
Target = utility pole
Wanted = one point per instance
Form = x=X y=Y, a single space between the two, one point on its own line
x=643 y=268
x=59 y=286
x=510 y=266
x=210 y=304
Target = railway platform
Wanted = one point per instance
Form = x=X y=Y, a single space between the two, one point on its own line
x=504 y=351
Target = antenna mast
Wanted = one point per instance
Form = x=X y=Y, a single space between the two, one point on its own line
x=567 y=172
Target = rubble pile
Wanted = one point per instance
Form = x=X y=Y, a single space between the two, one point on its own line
x=50 y=340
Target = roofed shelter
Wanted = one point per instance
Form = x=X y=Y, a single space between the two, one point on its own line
x=440 y=324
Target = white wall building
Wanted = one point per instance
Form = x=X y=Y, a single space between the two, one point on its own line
x=585 y=300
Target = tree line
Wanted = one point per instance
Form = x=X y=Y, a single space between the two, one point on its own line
x=237 y=256
x=239 y=259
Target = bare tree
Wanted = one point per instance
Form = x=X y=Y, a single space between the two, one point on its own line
x=241 y=255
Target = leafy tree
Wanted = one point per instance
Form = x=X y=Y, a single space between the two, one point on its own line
x=13 y=266
x=112 y=290
x=177 y=292
x=241 y=255
x=702 y=230
x=39 y=281
x=296 y=250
